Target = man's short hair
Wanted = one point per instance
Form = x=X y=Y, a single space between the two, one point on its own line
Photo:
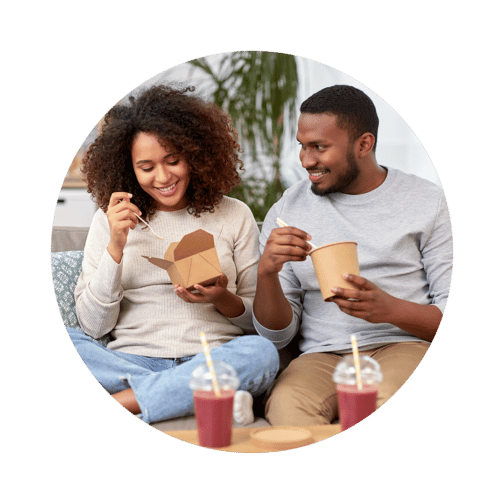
x=355 y=110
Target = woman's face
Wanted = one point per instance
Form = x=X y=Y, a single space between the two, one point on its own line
x=162 y=173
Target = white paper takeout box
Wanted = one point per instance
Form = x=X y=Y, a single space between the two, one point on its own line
x=192 y=260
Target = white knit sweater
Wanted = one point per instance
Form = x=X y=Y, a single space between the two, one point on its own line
x=135 y=302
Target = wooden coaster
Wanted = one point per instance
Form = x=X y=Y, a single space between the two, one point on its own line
x=281 y=438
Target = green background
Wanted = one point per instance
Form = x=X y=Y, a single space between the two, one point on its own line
x=64 y=66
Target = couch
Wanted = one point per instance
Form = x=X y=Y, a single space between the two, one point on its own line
x=67 y=245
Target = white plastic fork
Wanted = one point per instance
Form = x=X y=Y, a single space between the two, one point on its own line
x=149 y=227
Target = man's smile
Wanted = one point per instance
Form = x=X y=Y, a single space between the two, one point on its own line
x=316 y=174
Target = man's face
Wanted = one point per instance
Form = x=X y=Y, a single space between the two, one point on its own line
x=327 y=154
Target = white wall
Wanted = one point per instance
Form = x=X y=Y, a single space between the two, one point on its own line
x=398 y=147
x=75 y=208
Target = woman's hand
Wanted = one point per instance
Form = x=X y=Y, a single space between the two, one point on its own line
x=208 y=294
x=122 y=216
x=227 y=303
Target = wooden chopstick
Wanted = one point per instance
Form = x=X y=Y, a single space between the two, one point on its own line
x=281 y=223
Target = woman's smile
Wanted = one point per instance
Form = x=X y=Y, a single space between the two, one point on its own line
x=167 y=191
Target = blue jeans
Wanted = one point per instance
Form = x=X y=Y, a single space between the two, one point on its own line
x=161 y=386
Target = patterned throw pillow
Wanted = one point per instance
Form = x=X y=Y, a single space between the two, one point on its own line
x=66 y=268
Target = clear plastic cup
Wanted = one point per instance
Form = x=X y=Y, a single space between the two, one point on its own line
x=354 y=404
x=214 y=415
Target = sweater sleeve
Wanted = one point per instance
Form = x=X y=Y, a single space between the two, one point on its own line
x=437 y=256
x=98 y=292
x=246 y=258
x=290 y=285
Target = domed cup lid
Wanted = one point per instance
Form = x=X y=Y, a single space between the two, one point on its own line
x=227 y=378
x=345 y=371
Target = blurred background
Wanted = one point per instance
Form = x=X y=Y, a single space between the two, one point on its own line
x=262 y=91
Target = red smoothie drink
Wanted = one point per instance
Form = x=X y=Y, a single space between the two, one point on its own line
x=354 y=404
x=214 y=417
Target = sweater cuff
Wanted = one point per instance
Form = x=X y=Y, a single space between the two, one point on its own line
x=244 y=321
x=280 y=338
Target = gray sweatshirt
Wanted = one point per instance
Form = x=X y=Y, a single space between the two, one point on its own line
x=404 y=246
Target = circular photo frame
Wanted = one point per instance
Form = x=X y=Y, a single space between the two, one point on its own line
x=180 y=177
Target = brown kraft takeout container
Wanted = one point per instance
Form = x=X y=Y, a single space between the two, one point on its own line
x=331 y=262
x=192 y=260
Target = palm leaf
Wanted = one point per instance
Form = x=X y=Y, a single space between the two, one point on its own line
x=258 y=90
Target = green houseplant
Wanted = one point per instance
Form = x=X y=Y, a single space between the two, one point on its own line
x=258 y=90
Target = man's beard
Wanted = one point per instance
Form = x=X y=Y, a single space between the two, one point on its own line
x=343 y=181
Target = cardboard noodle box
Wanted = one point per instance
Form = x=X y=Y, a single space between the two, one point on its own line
x=192 y=260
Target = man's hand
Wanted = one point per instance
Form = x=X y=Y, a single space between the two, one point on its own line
x=367 y=301
x=284 y=244
x=375 y=305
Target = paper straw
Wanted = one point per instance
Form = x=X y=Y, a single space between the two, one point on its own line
x=355 y=351
x=281 y=223
x=206 y=350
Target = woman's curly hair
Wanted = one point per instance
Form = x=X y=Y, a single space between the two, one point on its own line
x=201 y=132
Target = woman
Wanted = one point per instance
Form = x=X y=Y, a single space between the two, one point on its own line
x=170 y=158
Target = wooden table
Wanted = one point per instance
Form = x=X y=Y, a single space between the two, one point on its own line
x=241 y=442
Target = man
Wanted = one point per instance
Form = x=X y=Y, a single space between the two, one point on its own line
x=401 y=225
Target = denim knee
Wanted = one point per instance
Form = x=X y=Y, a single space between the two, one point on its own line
x=79 y=336
x=262 y=349
x=73 y=332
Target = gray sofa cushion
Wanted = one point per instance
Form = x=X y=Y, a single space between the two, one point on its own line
x=65 y=238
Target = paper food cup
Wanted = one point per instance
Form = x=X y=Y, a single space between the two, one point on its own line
x=331 y=262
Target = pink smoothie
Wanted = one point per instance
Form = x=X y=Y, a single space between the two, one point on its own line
x=354 y=404
x=214 y=417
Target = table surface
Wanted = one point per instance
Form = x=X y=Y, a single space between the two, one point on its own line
x=242 y=443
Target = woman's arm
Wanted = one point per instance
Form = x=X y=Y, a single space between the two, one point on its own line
x=98 y=292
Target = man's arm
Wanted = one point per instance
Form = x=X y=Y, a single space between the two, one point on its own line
x=420 y=320
x=373 y=304
x=271 y=308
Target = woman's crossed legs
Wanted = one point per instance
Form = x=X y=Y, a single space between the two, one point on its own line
x=158 y=389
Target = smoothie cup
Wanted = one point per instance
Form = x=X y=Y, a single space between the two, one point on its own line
x=354 y=404
x=331 y=262
x=214 y=414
